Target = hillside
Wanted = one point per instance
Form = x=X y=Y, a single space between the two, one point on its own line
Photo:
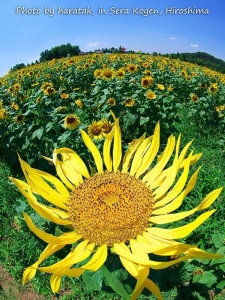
x=202 y=59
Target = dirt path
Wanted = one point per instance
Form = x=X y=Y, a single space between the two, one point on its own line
x=10 y=290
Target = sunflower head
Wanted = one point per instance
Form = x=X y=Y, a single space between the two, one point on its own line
x=112 y=101
x=95 y=130
x=71 y=121
x=147 y=81
x=129 y=102
x=121 y=207
x=150 y=95
x=194 y=98
x=79 y=103
x=20 y=118
x=65 y=96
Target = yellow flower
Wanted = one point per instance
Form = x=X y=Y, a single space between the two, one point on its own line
x=161 y=87
x=120 y=74
x=79 y=103
x=194 y=98
x=131 y=68
x=213 y=88
x=95 y=130
x=98 y=73
x=106 y=126
x=129 y=102
x=222 y=107
x=150 y=95
x=117 y=209
x=14 y=106
x=147 y=81
x=71 y=121
x=49 y=91
x=170 y=88
x=217 y=108
x=112 y=101
x=107 y=74
x=3 y=114
x=65 y=96
x=17 y=86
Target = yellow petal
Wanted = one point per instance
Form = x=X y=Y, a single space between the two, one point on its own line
x=44 y=211
x=117 y=144
x=144 y=262
x=150 y=153
x=180 y=232
x=152 y=287
x=137 y=160
x=97 y=259
x=94 y=151
x=30 y=272
x=66 y=238
x=206 y=202
x=150 y=177
x=106 y=150
x=78 y=254
x=75 y=160
x=129 y=154
x=42 y=188
x=198 y=253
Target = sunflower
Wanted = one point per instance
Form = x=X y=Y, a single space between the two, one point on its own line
x=65 y=96
x=79 y=103
x=107 y=74
x=129 y=102
x=161 y=87
x=19 y=118
x=98 y=73
x=112 y=101
x=120 y=74
x=106 y=126
x=213 y=88
x=147 y=81
x=3 y=114
x=194 y=98
x=49 y=91
x=95 y=130
x=150 y=95
x=71 y=121
x=17 y=86
x=117 y=209
x=131 y=68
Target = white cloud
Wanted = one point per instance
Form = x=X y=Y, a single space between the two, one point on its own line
x=173 y=38
x=93 y=44
x=194 y=45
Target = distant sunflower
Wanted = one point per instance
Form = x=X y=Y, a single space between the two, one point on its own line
x=49 y=91
x=79 y=103
x=71 y=121
x=120 y=74
x=129 y=102
x=20 y=118
x=213 y=88
x=95 y=130
x=222 y=107
x=107 y=126
x=194 y=98
x=150 y=95
x=3 y=114
x=112 y=101
x=131 y=68
x=17 y=86
x=146 y=81
x=107 y=74
x=161 y=87
x=65 y=96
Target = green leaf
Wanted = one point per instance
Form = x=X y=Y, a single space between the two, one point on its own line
x=221 y=285
x=114 y=283
x=217 y=239
x=144 y=120
x=208 y=279
x=93 y=280
x=49 y=126
x=38 y=133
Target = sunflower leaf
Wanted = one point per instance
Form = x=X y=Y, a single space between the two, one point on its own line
x=114 y=283
x=93 y=280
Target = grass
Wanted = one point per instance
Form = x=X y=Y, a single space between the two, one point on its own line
x=20 y=248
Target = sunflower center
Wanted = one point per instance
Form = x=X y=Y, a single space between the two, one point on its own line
x=110 y=208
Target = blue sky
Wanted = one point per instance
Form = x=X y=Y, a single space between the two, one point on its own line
x=25 y=36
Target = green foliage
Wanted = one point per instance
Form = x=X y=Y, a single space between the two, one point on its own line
x=59 y=52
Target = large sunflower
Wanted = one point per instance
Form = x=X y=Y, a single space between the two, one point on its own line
x=117 y=209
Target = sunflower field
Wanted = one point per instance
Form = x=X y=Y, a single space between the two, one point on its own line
x=60 y=121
